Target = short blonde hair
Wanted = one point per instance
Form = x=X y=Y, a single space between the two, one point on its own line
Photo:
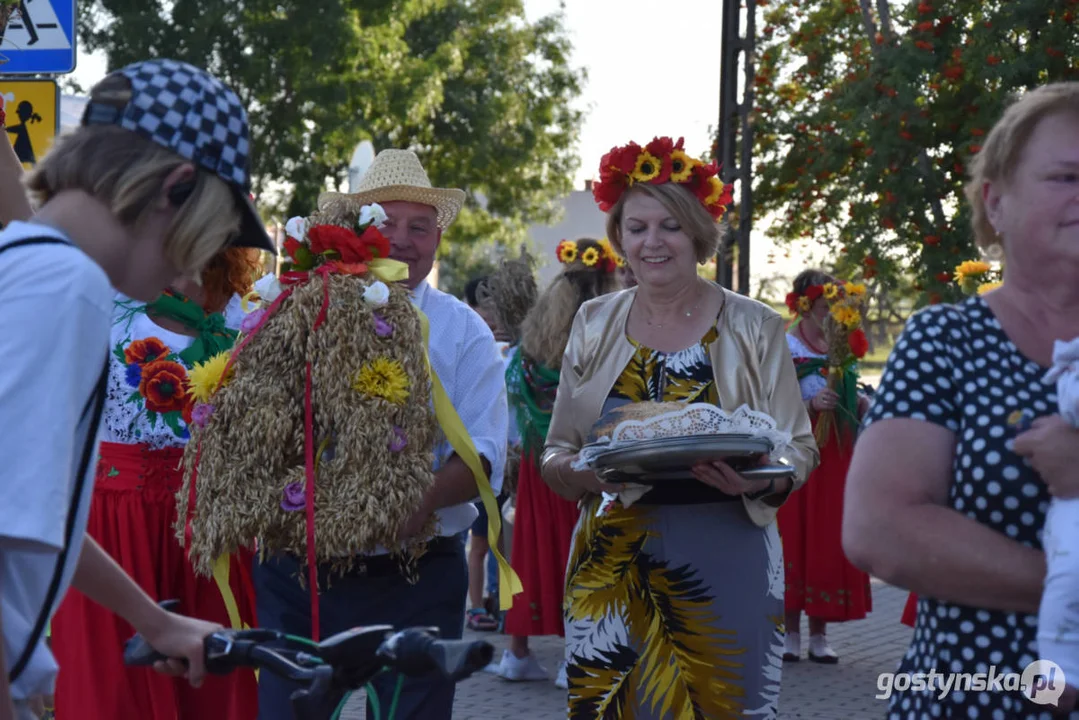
x=1000 y=154
x=695 y=221
x=126 y=172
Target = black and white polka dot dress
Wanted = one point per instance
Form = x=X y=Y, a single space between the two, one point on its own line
x=955 y=367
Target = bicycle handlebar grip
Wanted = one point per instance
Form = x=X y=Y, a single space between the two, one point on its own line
x=458 y=659
x=137 y=652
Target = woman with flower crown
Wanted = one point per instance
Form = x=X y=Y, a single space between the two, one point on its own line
x=820 y=581
x=543 y=522
x=674 y=598
x=157 y=352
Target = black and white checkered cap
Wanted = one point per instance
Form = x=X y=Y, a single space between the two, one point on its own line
x=192 y=113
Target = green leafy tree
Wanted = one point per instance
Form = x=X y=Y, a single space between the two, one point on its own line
x=867 y=115
x=482 y=95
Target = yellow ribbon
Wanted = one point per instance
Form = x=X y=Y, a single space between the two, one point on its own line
x=221 y=577
x=450 y=422
x=388 y=270
x=248 y=298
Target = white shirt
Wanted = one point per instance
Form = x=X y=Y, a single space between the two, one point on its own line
x=464 y=355
x=54 y=330
x=514 y=434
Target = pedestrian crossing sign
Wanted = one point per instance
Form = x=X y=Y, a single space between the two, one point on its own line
x=39 y=38
x=32 y=110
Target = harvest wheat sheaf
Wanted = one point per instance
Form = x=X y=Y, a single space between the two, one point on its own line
x=335 y=367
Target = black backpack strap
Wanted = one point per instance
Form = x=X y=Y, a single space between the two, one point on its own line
x=34 y=241
x=94 y=404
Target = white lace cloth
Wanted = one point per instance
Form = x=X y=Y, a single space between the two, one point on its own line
x=695 y=419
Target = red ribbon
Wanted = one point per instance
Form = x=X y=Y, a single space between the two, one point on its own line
x=309 y=493
x=291 y=280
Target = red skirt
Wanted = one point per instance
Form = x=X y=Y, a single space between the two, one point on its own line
x=910 y=611
x=132 y=518
x=542 y=534
x=820 y=580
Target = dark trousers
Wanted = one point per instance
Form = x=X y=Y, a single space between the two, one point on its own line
x=375 y=594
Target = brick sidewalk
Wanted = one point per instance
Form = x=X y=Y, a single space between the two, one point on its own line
x=809 y=691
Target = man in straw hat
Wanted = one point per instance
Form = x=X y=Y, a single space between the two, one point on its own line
x=465 y=358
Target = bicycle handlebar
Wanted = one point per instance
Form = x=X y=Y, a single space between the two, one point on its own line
x=329 y=670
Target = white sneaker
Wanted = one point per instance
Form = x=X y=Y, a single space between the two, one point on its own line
x=518 y=669
x=561 y=680
x=820 y=651
x=792 y=649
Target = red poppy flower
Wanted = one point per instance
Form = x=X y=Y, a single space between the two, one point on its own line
x=859 y=344
x=813 y=292
x=291 y=246
x=164 y=386
x=348 y=246
x=792 y=302
x=376 y=242
x=145 y=351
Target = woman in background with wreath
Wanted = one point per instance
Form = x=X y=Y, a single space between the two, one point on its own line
x=820 y=580
x=543 y=522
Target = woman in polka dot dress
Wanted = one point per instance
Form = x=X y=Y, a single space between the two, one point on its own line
x=938 y=500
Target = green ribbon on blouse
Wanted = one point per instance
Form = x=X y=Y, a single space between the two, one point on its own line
x=211 y=334
x=531 y=389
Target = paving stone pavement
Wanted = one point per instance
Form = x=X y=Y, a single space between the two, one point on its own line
x=809 y=691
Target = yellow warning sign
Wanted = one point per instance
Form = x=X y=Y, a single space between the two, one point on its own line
x=32 y=110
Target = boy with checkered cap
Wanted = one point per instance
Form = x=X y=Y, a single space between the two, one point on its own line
x=150 y=188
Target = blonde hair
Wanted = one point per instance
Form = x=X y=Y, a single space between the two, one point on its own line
x=1000 y=154
x=126 y=172
x=679 y=202
x=545 y=330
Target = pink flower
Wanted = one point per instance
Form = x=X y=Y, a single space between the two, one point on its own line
x=294 y=498
x=251 y=321
x=400 y=441
x=201 y=414
x=382 y=328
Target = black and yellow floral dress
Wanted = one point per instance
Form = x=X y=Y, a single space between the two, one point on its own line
x=674 y=605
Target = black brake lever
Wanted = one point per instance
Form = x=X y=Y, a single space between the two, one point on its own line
x=138 y=653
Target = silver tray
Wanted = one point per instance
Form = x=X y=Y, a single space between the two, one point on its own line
x=665 y=455
x=759 y=472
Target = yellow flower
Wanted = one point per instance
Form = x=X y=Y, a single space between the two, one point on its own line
x=717 y=190
x=971 y=268
x=854 y=319
x=846 y=316
x=804 y=304
x=830 y=291
x=648 y=167
x=206 y=376
x=682 y=166
x=567 y=251
x=385 y=378
x=590 y=256
x=988 y=287
x=855 y=289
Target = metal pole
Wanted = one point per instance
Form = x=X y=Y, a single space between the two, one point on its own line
x=728 y=109
x=746 y=166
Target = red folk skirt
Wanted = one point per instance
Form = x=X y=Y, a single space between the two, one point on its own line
x=132 y=517
x=910 y=611
x=542 y=534
x=820 y=580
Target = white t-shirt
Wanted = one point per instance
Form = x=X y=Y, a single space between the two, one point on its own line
x=55 y=308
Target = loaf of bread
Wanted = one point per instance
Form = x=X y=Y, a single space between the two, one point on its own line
x=604 y=427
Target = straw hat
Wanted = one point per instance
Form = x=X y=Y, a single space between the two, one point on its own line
x=397 y=175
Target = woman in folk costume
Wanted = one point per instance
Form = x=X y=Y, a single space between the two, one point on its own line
x=820 y=581
x=156 y=349
x=543 y=522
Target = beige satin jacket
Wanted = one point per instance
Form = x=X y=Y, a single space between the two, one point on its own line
x=751 y=363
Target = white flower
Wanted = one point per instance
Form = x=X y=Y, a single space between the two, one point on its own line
x=296 y=228
x=269 y=288
x=376 y=293
x=372 y=214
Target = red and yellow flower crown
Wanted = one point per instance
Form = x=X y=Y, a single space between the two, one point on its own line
x=658 y=162
x=592 y=254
